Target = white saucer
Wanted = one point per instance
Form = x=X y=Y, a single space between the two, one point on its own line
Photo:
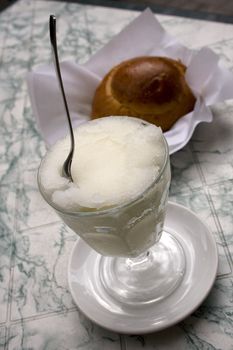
x=201 y=267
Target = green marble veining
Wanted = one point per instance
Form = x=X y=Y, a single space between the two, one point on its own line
x=61 y=331
x=7 y=213
x=213 y=145
x=36 y=308
x=2 y=338
x=185 y=174
x=39 y=278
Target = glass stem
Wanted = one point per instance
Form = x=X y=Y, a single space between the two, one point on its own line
x=139 y=261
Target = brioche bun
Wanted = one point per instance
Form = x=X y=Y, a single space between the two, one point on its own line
x=150 y=88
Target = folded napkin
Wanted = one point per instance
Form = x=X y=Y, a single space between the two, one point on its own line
x=209 y=81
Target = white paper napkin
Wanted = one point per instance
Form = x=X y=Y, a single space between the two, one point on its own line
x=209 y=81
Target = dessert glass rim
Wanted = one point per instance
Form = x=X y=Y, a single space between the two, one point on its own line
x=114 y=208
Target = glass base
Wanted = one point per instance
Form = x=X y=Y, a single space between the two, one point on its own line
x=148 y=278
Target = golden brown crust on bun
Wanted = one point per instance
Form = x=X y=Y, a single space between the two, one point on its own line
x=150 y=88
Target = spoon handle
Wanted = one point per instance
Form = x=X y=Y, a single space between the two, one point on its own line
x=53 y=40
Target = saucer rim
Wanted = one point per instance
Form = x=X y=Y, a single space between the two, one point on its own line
x=174 y=321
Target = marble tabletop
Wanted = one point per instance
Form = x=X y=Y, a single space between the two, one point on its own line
x=36 y=308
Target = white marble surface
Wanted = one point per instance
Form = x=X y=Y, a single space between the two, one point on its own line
x=36 y=309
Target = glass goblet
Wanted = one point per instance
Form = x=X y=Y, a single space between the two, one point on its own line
x=140 y=262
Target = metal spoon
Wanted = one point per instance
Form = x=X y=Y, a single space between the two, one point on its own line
x=66 y=170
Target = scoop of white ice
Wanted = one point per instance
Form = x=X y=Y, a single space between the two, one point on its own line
x=115 y=159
